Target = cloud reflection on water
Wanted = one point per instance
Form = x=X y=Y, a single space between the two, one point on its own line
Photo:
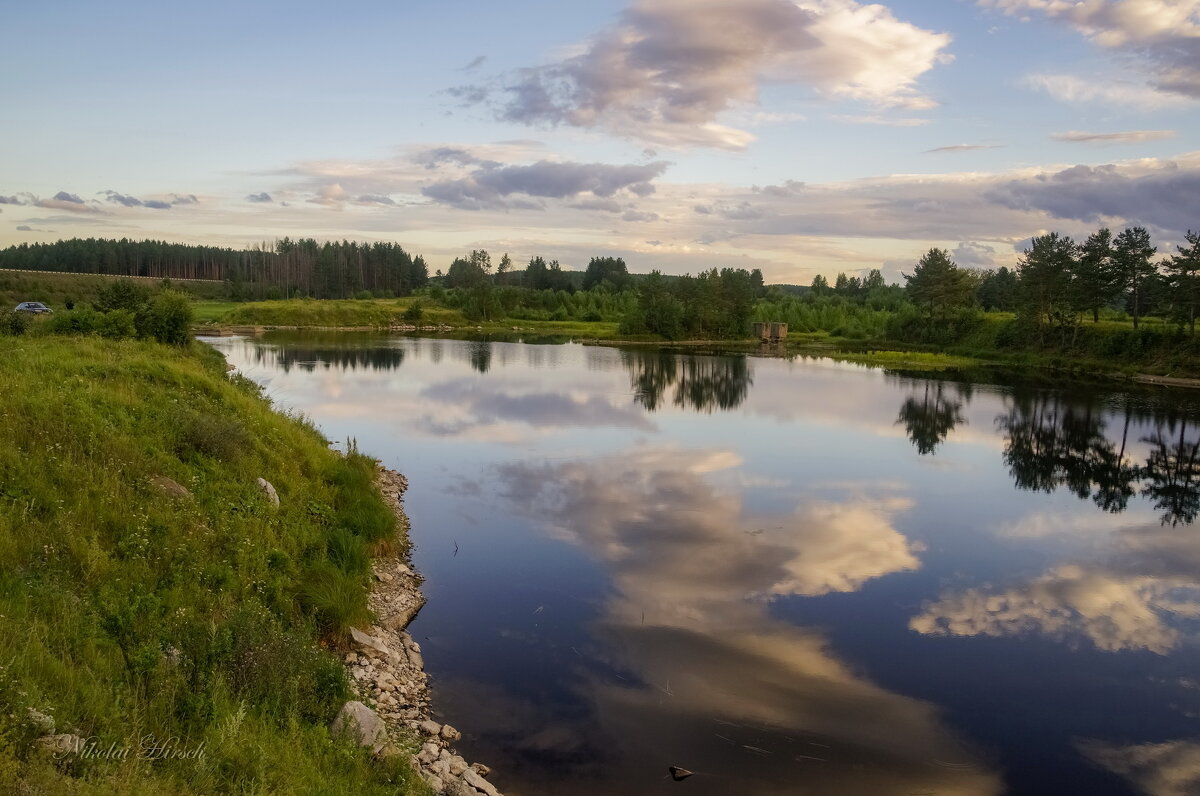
x=689 y=617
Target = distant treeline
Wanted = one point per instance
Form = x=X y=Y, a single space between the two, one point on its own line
x=285 y=269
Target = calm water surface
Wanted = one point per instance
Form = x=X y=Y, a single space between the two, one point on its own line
x=790 y=577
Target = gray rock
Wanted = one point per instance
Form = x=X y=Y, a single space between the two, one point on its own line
x=369 y=644
x=362 y=724
x=479 y=783
x=44 y=722
x=451 y=734
x=403 y=617
x=268 y=489
x=481 y=769
x=169 y=487
x=62 y=744
x=458 y=766
x=430 y=728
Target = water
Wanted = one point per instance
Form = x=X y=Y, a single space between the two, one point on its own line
x=788 y=577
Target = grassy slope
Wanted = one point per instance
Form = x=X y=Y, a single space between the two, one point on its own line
x=127 y=613
x=56 y=289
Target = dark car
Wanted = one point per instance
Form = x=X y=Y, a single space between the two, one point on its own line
x=33 y=307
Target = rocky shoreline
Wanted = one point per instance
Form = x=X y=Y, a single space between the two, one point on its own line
x=388 y=674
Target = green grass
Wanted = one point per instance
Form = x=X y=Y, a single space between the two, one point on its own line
x=127 y=613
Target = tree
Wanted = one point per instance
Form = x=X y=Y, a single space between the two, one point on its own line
x=1045 y=273
x=820 y=285
x=938 y=285
x=503 y=269
x=609 y=270
x=1131 y=260
x=998 y=290
x=1096 y=280
x=1183 y=272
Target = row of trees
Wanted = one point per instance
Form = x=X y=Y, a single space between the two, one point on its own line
x=1057 y=282
x=285 y=268
x=714 y=304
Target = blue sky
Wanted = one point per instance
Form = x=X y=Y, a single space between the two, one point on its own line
x=799 y=136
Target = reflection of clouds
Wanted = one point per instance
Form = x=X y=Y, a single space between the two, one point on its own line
x=692 y=574
x=1134 y=600
x=1160 y=769
x=483 y=403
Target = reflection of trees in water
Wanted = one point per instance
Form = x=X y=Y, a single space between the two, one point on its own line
x=1172 y=474
x=700 y=382
x=480 y=354
x=928 y=419
x=1052 y=443
x=287 y=357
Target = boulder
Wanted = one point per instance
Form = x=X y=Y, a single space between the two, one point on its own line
x=268 y=489
x=451 y=734
x=403 y=617
x=362 y=724
x=430 y=728
x=479 y=783
x=169 y=487
x=43 y=722
x=369 y=643
x=62 y=744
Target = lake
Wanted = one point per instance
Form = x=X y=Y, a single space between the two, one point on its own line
x=788 y=577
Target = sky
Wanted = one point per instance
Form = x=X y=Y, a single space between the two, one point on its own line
x=796 y=136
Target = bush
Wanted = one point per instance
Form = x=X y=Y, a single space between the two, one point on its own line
x=413 y=313
x=167 y=318
x=116 y=324
x=336 y=600
x=82 y=321
x=363 y=295
x=13 y=323
x=124 y=294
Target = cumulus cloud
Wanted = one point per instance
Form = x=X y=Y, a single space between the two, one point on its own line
x=10 y=200
x=259 y=197
x=634 y=215
x=879 y=119
x=669 y=69
x=66 y=201
x=157 y=204
x=122 y=199
x=375 y=199
x=1165 y=197
x=1163 y=35
x=333 y=195
x=186 y=199
x=432 y=158
x=489 y=187
x=1127 y=137
x=971 y=254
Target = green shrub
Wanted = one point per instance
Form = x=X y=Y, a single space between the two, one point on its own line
x=13 y=323
x=167 y=318
x=83 y=321
x=413 y=313
x=363 y=295
x=124 y=294
x=116 y=324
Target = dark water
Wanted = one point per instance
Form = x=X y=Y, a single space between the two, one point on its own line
x=789 y=577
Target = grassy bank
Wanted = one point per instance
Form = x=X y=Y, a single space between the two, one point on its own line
x=208 y=618
x=56 y=290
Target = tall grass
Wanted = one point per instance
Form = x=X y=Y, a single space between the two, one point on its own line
x=128 y=613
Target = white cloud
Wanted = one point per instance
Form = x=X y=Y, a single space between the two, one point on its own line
x=1125 y=93
x=1126 y=137
x=671 y=68
x=1171 y=768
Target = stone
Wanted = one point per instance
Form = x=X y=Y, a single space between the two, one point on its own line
x=479 y=783
x=169 y=487
x=480 y=769
x=430 y=728
x=369 y=644
x=451 y=734
x=458 y=766
x=415 y=659
x=268 y=489
x=62 y=744
x=362 y=724
x=404 y=616
x=43 y=722
x=678 y=773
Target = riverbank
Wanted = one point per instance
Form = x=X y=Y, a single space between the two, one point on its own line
x=182 y=570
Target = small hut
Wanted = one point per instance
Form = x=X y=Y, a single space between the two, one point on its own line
x=770 y=332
